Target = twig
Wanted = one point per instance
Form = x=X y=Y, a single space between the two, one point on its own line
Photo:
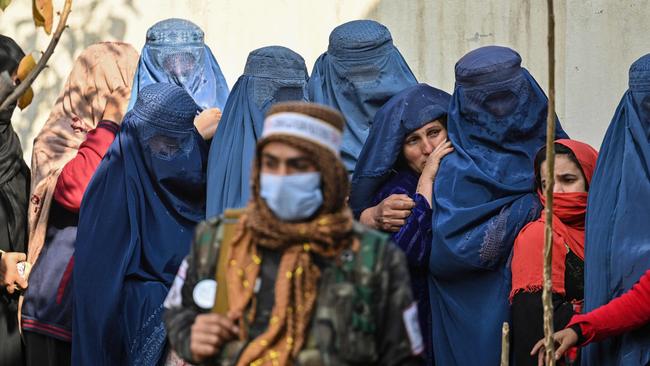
x=505 y=344
x=549 y=345
x=24 y=84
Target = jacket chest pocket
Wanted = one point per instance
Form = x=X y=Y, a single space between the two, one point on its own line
x=343 y=328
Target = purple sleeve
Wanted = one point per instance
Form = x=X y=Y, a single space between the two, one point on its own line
x=414 y=238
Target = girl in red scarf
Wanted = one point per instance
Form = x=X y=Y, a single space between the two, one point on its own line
x=574 y=166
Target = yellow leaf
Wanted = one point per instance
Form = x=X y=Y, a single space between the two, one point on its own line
x=26 y=98
x=25 y=66
x=4 y=4
x=39 y=21
x=43 y=13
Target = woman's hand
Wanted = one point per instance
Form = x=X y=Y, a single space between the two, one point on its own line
x=390 y=214
x=10 y=279
x=207 y=121
x=116 y=104
x=433 y=160
x=210 y=332
x=425 y=183
x=566 y=339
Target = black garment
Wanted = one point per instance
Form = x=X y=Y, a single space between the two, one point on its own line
x=14 y=193
x=48 y=351
x=528 y=312
x=266 y=292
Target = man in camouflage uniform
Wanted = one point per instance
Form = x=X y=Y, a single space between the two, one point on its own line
x=291 y=279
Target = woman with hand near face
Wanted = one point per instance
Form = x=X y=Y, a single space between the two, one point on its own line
x=399 y=163
x=67 y=151
x=574 y=166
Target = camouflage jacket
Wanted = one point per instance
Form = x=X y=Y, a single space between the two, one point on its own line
x=365 y=312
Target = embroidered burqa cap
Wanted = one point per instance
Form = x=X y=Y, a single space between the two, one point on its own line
x=360 y=71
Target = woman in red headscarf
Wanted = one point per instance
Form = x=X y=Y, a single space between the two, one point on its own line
x=574 y=166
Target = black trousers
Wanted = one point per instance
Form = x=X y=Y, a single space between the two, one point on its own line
x=42 y=350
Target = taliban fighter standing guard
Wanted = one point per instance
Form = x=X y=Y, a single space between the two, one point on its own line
x=297 y=281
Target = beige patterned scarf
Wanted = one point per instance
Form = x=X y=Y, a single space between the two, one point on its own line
x=99 y=69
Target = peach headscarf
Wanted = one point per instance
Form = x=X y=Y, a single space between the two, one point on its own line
x=97 y=72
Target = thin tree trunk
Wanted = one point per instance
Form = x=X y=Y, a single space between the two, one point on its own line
x=550 y=163
x=505 y=344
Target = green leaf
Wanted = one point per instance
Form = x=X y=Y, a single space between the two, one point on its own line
x=4 y=4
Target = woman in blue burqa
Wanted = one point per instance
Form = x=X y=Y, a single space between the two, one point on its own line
x=360 y=71
x=618 y=249
x=272 y=74
x=407 y=141
x=482 y=196
x=175 y=53
x=135 y=226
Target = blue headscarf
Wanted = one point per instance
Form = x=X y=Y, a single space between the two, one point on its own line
x=135 y=226
x=618 y=241
x=360 y=71
x=482 y=196
x=175 y=53
x=404 y=113
x=272 y=74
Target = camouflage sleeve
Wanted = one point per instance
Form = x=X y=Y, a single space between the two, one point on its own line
x=180 y=309
x=400 y=340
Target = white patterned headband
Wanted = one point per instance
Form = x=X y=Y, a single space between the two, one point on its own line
x=304 y=127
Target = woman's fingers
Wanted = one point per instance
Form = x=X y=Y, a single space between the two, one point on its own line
x=567 y=338
x=538 y=346
x=398 y=202
x=442 y=150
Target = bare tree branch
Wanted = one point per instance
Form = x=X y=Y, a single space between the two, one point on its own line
x=549 y=344
x=24 y=84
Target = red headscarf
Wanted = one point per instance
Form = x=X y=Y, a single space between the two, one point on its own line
x=568 y=231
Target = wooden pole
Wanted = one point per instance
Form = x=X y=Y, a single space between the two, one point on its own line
x=505 y=344
x=549 y=345
x=20 y=89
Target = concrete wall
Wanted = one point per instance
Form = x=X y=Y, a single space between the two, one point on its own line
x=596 y=41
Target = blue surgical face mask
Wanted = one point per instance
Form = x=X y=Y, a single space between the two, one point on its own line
x=292 y=197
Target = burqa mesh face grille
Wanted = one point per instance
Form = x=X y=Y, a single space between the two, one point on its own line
x=167 y=145
x=267 y=91
x=500 y=100
x=184 y=65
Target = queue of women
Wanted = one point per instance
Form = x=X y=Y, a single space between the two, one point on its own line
x=127 y=165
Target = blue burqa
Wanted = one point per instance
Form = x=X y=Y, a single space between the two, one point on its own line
x=272 y=74
x=482 y=196
x=174 y=53
x=135 y=227
x=617 y=250
x=360 y=71
x=407 y=111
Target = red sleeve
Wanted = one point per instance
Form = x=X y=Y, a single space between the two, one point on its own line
x=623 y=314
x=76 y=174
